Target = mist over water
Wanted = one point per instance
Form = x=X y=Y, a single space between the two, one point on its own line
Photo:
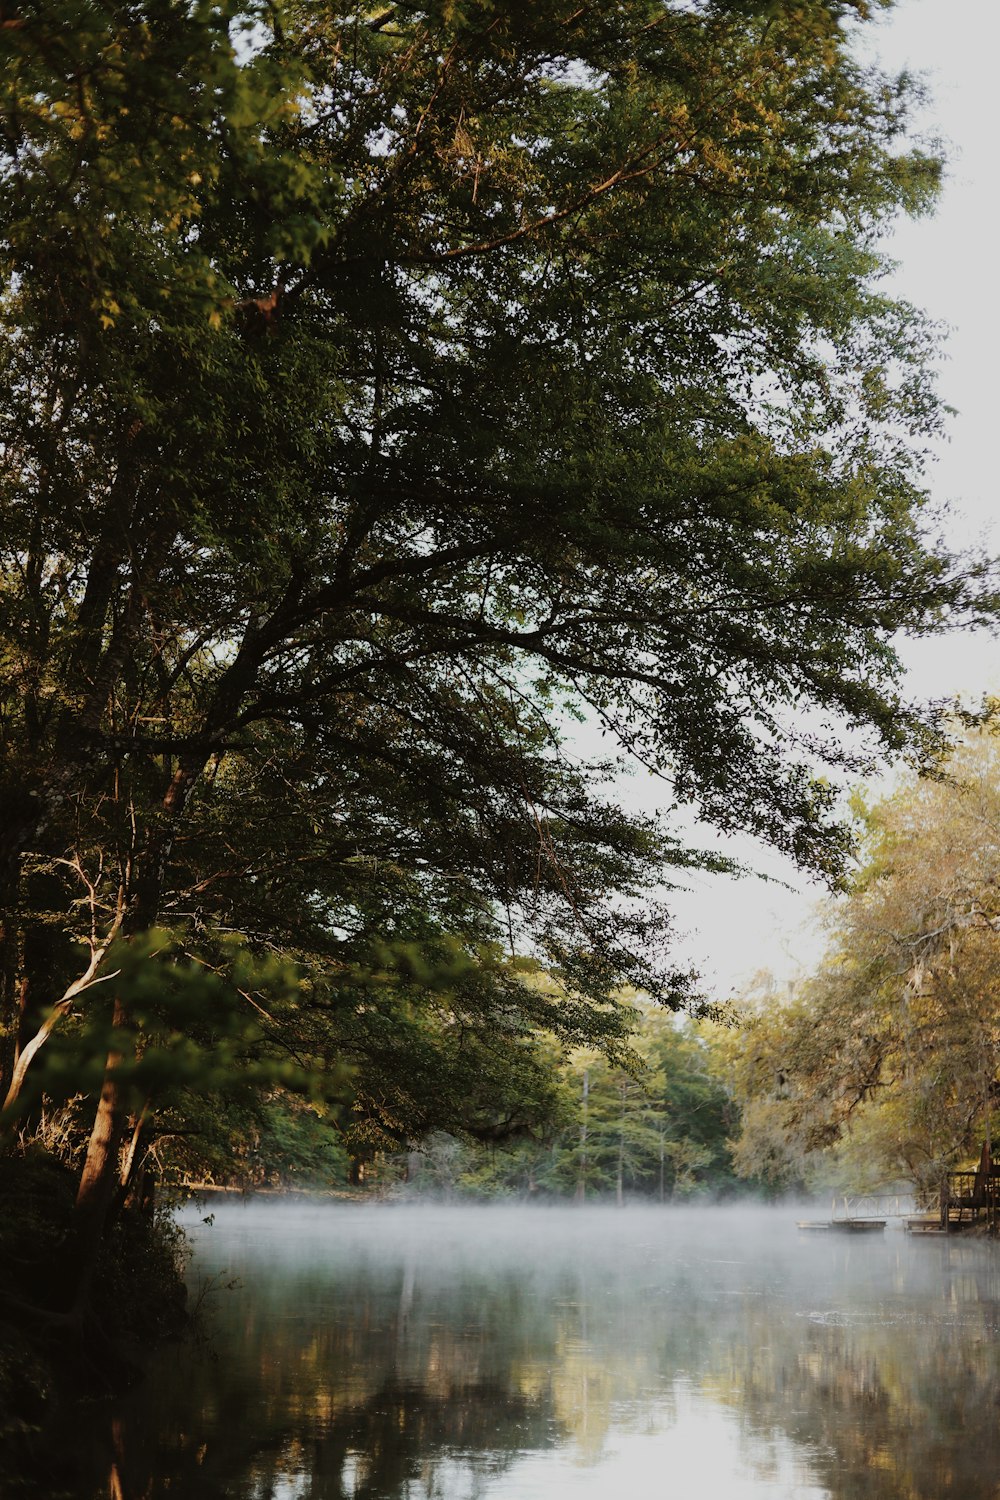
x=393 y=1352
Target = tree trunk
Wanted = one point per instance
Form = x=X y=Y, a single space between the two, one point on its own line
x=581 y=1168
x=12 y=992
x=135 y=1190
x=620 y=1174
x=100 y=1176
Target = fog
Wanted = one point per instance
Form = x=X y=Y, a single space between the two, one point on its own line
x=753 y=1246
x=400 y=1352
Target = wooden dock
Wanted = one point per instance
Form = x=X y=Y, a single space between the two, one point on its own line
x=842 y=1226
x=926 y=1226
x=970 y=1202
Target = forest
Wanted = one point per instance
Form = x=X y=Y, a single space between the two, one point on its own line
x=409 y=418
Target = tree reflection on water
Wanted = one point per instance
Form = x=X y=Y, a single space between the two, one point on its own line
x=376 y=1354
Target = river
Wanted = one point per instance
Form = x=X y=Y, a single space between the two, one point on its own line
x=389 y=1352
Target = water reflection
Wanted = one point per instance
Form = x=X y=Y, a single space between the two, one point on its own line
x=398 y=1354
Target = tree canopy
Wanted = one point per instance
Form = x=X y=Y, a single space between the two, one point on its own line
x=378 y=391
x=890 y=1053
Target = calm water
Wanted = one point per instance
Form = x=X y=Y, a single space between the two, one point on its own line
x=506 y=1354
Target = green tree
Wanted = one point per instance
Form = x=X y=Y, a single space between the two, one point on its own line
x=697 y=1115
x=658 y=1131
x=376 y=391
x=659 y=1128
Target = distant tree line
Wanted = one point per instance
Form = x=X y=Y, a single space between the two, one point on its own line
x=663 y=1132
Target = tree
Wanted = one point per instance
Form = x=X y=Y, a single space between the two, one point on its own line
x=380 y=390
x=891 y=1052
x=659 y=1128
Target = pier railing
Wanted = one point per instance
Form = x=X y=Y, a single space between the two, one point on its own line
x=966 y=1199
x=878 y=1205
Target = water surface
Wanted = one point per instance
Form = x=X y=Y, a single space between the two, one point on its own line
x=399 y=1353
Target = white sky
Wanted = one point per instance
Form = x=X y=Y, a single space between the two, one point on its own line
x=948 y=266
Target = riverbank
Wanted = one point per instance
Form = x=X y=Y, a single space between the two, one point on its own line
x=53 y=1352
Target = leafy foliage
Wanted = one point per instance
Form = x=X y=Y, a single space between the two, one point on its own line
x=891 y=1052
x=660 y=1130
x=378 y=392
